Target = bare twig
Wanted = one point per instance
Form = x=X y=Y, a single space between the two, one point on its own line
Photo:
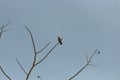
x=87 y=64
x=47 y=54
x=92 y=65
x=59 y=42
x=31 y=39
x=2 y=29
x=92 y=55
x=78 y=72
x=86 y=56
x=21 y=66
x=43 y=48
x=5 y=74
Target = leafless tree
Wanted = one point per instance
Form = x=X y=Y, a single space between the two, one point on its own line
x=37 y=62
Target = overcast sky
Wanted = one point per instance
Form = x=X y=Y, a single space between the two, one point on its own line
x=85 y=25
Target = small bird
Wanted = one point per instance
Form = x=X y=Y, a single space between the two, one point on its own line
x=60 y=40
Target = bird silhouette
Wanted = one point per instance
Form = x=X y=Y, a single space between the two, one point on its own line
x=60 y=40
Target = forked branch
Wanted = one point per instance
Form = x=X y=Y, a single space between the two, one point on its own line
x=2 y=28
x=87 y=64
x=47 y=54
x=35 y=63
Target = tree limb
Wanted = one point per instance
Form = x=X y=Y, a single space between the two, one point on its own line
x=43 y=48
x=34 y=61
x=87 y=64
x=2 y=29
x=5 y=74
x=35 y=54
x=33 y=43
x=21 y=66
x=47 y=54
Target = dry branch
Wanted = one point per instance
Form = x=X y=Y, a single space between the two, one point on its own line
x=35 y=63
x=21 y=66
x=47 y=54
x=87 y=64
x=2 y=29
x=43 y=48
x=5 y=74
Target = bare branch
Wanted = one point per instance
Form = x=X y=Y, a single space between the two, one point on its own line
x=5 y=73
x=34 y=61
x=92 y=55
x=6 y=25
x=31 y=39
x=78 y=72
x=87 y=64
x=86 y=56
x=21 y=66
x=43 y=48
x=47 y=54
x=3 y=26
x=35 y=54
x=92 y=65
x=2 y=29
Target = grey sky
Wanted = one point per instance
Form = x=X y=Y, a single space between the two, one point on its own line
x=84 y=25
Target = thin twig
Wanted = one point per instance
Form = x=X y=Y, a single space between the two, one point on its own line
x=2 y=29
x=5 y=73
x=87 y=64
x=31 y=39
x=21 y=66
x=47 y=54
x=43 y=48
x=92 y=65
x=78 y=72
x=92 y=55
x=6 y=25
x=86 y=56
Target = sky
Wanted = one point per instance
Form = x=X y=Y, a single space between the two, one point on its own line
x=85 y=25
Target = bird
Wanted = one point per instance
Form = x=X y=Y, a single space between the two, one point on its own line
x=60 y=40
